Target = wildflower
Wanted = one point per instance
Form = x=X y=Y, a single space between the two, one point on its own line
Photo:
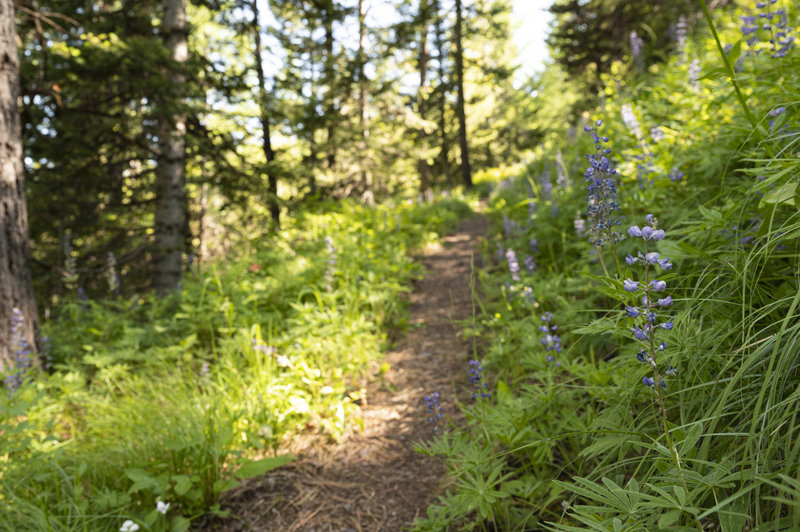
x=665 y=302
x=647 y=381
x=630 y=285
x=513 y=264
x=777 y=111
x=667 y=325
x=630 y=259
x=533 y=245
x=637 y=44
x=694 y=74
x=527 y=294
x=476 y=379
x=500 y=253
x=601 y=193
x=21 y=352
x=675 y=175
x=331 y=262
x=634 y=231
x=204 y=370
x=642 y=356
x=162 y=507
x=630 y=121
x=633 y=312
x=435 y=411
x=530 y=264
x=656 y=134
x=672 y=371
x=639 y=333
x=658 y=286
x=579 y=224
x=129 y=526
x=550 y=340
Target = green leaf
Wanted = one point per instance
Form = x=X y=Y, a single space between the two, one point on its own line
x=250 y=469
x=180 y=524
x=503 y=392
x=734 y=54
x=183 y=483
x=785 y=194
x=668 y=518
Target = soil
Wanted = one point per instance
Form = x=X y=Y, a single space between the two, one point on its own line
x=373 y=480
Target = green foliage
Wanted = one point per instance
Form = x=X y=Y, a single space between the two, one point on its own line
x=584 y=444
x=178 y=399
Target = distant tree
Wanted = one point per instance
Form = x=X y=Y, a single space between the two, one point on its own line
x=588 y=36
x=170 y=217
x=263 y=106
x=16 y=288
x=466 y=170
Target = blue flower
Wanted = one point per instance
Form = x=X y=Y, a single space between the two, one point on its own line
x=476 y=379
x=634 y=231
x=633 y=312
x=638 y=333
x=657 y=286
x=631 y=260
x=667 y=325
x=630 y=285
x=647 y=381
x=665 y=302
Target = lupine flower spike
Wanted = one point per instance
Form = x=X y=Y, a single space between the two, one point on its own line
x=551 y=341
x=476 y=380
x=435 y=411
x=602 y=193
x=647 y=316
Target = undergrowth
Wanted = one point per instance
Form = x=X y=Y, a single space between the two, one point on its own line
x=154 y=402
x=613 y=406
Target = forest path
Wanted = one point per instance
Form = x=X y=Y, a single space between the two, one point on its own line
x=373 y=480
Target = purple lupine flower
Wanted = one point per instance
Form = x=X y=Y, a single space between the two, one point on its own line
x=630 y=121
x=533 y=245
x=634 y=231
x=675 y=175
x=672 y=371
x=513 y=264
x=665 y=302
x=658 y=286
x=476 y=380
x=21 y=353
x=633 y=312
x=550 y=341
x=435 y=411
x=667 y=325
x=651 y=257
x=639 y=333
x=530 y=264
x=647 y=381
x=602 y=203
x=656 y=134
x=630 y=285
x=527 y=295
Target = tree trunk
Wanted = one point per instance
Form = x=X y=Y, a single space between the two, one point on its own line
x=170 y=216
x=16 y=287
x=466 y=171
x=272 y=180
x=422 y=137
x=444 y=144
x=368 y=196
x=330 y=104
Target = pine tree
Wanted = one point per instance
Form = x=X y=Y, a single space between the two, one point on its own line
x=16 y=287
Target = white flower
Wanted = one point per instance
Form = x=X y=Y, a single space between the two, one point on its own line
x=162 y=507
x=129 y=526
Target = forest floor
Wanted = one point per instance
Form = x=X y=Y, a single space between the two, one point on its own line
x=373 y=480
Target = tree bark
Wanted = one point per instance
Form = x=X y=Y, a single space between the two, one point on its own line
x=466 y=170
x=170 y=216
x=272 y=180
x=422 y=137
x=368 y=195
x=330 y=102
x=16 y=287
x=444 y=144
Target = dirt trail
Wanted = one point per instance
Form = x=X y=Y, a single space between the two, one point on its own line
x=373 y=480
